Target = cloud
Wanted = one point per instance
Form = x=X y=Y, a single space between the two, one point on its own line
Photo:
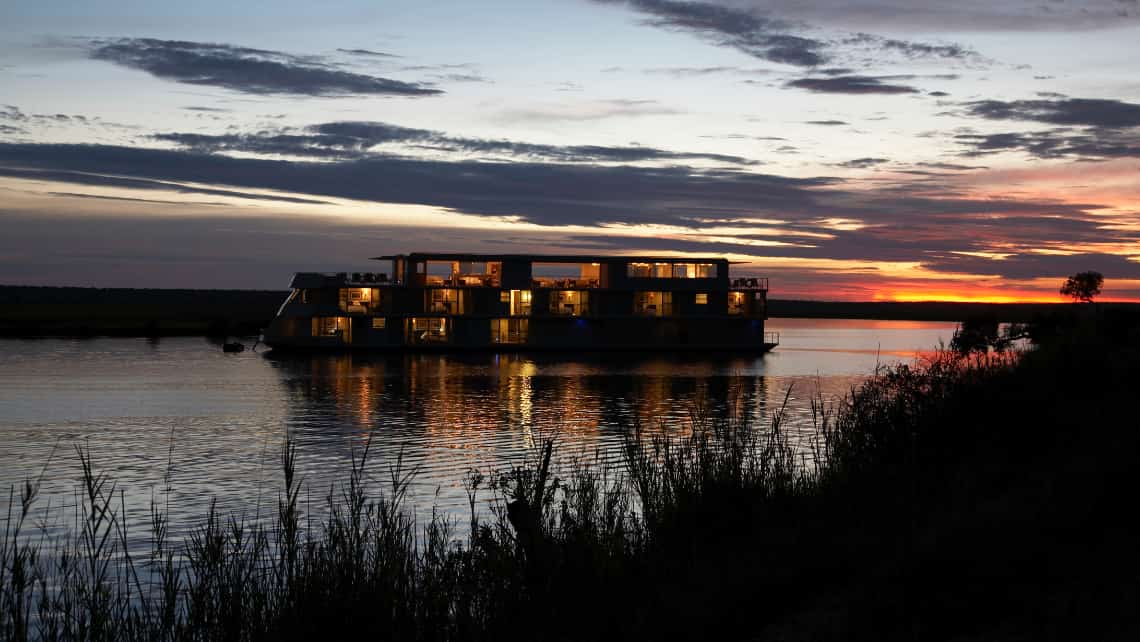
x=954 y=167
x=683 y=72
x=739 y=29
x=1029 y=265
x=368 y=52
x=548 y=194
x=12 y=130
x=587 y=111
x=453 y=72
x=751 y=31
x=863 y=163
x=916 y=222
x=826 y=123
x=939 y=16
x=850 y=85
x=1085 y=128
x=128 y=199
x=12 y=113
x=460 y=78
x=742 y=137
x=217 y=110
x=910 y=49
x=1091 y=112
x=251 y=71
x=1088 y=143
x=359 y=139
x=96 y=179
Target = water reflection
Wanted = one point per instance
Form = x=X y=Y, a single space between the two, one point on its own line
x=224 y=416
x=447 y=414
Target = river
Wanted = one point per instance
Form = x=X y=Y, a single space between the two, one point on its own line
x=179 y=419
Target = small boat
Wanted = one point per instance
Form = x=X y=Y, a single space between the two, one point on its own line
x=233 y=346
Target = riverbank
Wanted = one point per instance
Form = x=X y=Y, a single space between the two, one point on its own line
x=979 y=499
x=50 y=311
x=65 y=311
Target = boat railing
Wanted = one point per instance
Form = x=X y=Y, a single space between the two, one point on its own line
x=750 y=283
x=772 y=338
x=335 y=279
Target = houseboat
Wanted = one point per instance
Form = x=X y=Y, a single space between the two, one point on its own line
x=527 y=302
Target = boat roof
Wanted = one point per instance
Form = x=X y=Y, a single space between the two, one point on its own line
x=547 y=258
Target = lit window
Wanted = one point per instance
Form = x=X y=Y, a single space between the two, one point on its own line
x=379 y=323
x=338 y=327
x=520 y=302
x=569 y=302
x=427 y=330
x=441 y=301
x=505 y=296
x=655 y=304
x=509 y=330
x=702 y=298
x=736 y=303
x=694 y=270
x=639 y=270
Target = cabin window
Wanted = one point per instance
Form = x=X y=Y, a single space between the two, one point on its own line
x=654 y=304
x=702 y=298
x=571 y=303
x=671 y=270
x=520 y=302
x=509 y=330
x=505 y=296
x=559 y=276
x=639 y=270
x=339 y=327
x=694 y=270
x=736 y=303
x=356 y=300
x=427 y=330
x=379 y=323
x=444 y=301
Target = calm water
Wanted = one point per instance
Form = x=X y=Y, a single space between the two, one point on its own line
x=214 y=422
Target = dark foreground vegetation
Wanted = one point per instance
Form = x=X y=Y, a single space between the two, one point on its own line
x=978 y=498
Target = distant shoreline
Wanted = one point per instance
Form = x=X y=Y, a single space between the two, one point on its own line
x=39 y=311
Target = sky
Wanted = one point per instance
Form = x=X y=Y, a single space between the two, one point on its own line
x=846 y=149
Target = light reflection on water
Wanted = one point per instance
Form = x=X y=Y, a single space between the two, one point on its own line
x=215 y=421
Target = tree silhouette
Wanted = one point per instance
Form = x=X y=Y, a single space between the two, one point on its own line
x=1083 y=286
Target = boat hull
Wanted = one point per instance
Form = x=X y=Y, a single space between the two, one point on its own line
x=594 y=334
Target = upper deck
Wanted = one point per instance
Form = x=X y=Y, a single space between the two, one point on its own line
x=541 y=271
x=538 y=271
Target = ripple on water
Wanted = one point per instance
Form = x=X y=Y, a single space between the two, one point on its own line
x=178 y=416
